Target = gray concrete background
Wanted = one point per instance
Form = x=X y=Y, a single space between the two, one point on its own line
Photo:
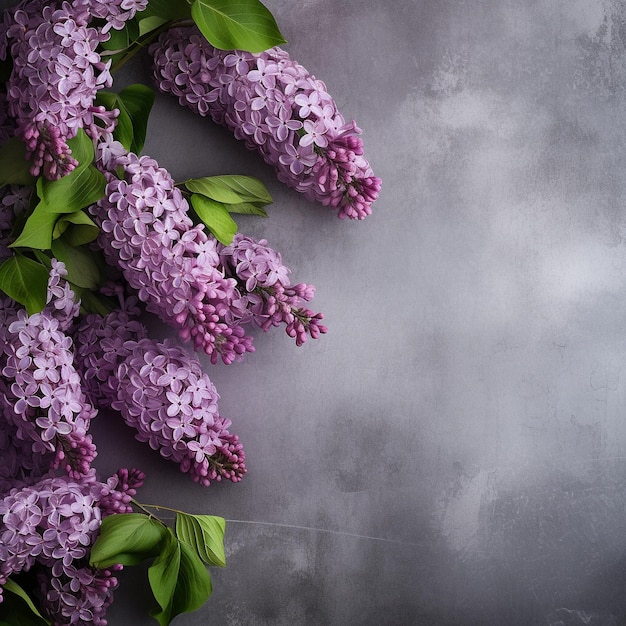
x=453 y=451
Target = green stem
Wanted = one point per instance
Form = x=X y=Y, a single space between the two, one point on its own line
x=142 y=42
x=144 y=507
x=149 y=513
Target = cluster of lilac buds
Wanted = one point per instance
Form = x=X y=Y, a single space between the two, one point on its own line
x=162 y=393
x=50 y=526
x=266 y=297
x=146 y=231
x=278 y=108
x=49 y=408
x=57 y=73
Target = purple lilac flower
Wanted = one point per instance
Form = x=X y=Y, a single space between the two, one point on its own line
x=114 y=12
x=161 y=392
x=52 y=521
x=278 y=108
x=266 y=297
x=146 y=231
x=50 y=409
x=79 y=595
x=101 y=344
x=51 y=526
x=19 y=464
x=56 y=75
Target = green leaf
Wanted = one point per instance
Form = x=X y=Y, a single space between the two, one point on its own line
x=82 y=267
x=134 y=104
x=241 y=24
x=82 y=148
x=150 y=23
x=128 y=539
x=231 y=189
x=178 y=579
x=93 y=302
x=167 y=9
x=216 y=218
x=120 y=40
x=37 y=231
x=21 y=611
x=246 y=208
x=205 y=533
x=77 y=228
x=137 y=101
x=80 y=188
x=124 y=131
x=14 y=168
x=26 y=281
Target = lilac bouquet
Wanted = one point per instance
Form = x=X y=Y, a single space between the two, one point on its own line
x=92 y=235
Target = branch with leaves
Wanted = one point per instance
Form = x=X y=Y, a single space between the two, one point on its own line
x=93 y=234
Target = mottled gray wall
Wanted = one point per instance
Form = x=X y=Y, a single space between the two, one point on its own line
x=452 y=452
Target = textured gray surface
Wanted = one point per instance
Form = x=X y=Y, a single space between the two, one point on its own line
x=453 y=451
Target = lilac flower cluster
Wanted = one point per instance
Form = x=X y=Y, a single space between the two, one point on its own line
x=278 y=108
x=162 y=393
x=54 y=520
x=50 y=409
x=57 y=73
x=76 y=594
x=115 y=13
x=146 y=231
x=20 y=465
x=266 y=297
x=51 y=526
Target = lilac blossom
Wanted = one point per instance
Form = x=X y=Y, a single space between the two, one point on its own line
x=162 y=393
x=20 y=465
x=115 y=13
x=276 y=107
x=39 y=380
x=266 y=297
x=145 y=231
x=56 y=75
x=78 y=595
x=49 y=527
